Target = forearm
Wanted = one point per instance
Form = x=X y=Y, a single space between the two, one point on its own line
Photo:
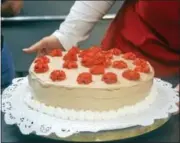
x=11 y=8
x=80 y=21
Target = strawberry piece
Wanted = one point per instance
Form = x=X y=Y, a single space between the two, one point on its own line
x=89 y=54
x=87 y=62
x=70 y=56
x=56 y=53
x=142 y=68
x=129 y=56
x=42 y=59
x=108 y=54
x=119 y=64
x=41 y=68
x=131 y=75
x=109 y=78
x=74 y=50
x=99 y=59
x=70 y=64
x=57 y=75
x=84 y=78
x=116 y=51
x=82 y=53
x=107 y=63
x=95 y=49
x=45 y=59
x=97 y=70
x=139 y=62
x=95 y=56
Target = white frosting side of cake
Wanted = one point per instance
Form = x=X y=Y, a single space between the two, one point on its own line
x=96 y=96
x=88 y=98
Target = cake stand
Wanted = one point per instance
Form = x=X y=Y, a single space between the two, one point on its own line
x=41 y=124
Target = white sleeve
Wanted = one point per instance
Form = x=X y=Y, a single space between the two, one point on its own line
x=80 y=21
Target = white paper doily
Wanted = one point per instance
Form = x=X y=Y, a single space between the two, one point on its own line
x=32 y=121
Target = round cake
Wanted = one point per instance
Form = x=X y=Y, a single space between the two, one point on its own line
x=90 y=79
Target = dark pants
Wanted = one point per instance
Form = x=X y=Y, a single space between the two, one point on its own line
x=174 y=80
x=7 y=67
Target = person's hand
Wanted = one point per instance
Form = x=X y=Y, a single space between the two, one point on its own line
x=44 y=46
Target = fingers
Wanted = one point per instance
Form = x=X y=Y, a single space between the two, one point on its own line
x=41 y=52
x=36 y=47
x=44 y=46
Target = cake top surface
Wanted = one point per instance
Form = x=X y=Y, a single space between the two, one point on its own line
x=92 y=68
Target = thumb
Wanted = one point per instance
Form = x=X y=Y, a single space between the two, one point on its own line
x=36 y=47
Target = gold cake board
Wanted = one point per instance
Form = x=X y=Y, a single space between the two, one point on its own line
x=111 y=135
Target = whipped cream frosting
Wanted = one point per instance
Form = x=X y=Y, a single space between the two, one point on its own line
x=96 y=96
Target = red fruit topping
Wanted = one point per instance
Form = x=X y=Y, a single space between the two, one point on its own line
x=70 y=64
x=95 y=49
x=116 y=51
x=84 y=78
x=70 y=56
x=131 y=75
x=99 y=59
x=74 y=50
x=109 y=78
x=82 y=53
x=57 y=75
x=119 y=64
x=87 y=62
x=129 y=56
x=95 y=56
x=97 y=70
x=90 y=51
x=89 y=54
x=107 y=63
x=56 y=53
x=139 y=62
x=108 y=54
x=143 y=68
x=41 y=68
x=42 y=59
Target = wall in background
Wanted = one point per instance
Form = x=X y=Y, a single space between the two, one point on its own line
x=19 y=35
x=55 y=7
